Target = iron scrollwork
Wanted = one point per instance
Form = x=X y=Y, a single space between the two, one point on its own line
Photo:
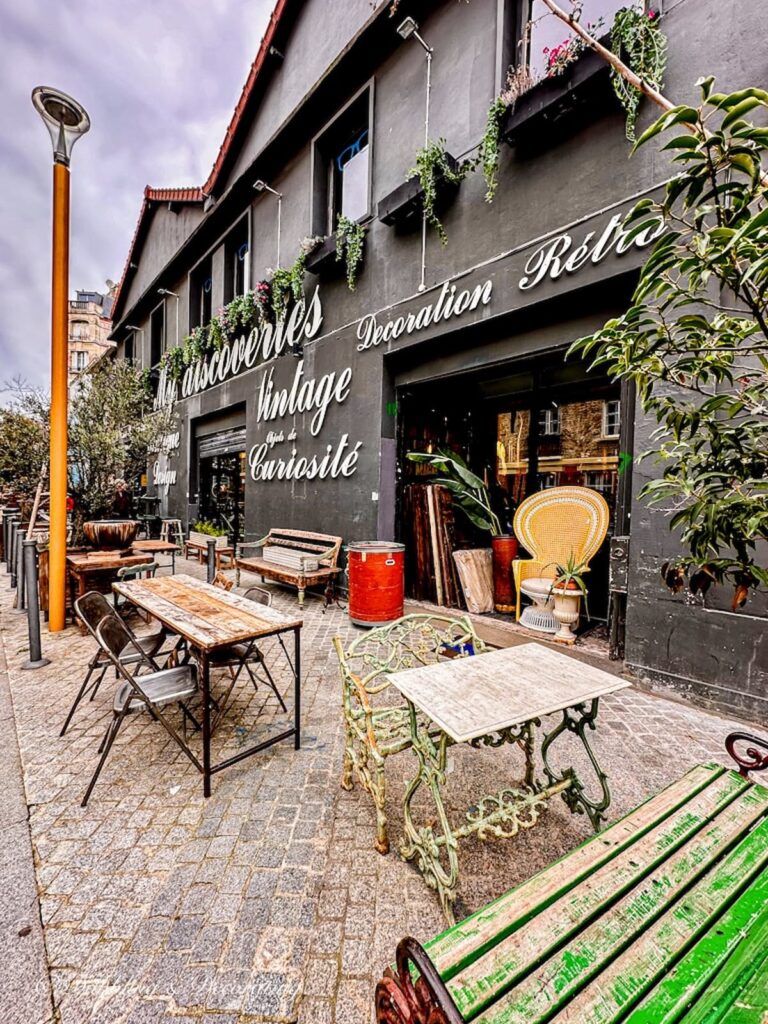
x=752 y=759
x=401 y=1000
x=578 y=719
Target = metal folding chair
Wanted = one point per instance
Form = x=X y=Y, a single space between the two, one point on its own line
x=91 y=608
x=146 y=570
x=138 y=692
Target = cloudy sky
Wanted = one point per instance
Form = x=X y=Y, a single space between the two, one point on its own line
x=159 y=81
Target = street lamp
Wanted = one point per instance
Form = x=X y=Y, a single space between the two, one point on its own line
x=408 y=29
x=262 y=186
x=66 y=121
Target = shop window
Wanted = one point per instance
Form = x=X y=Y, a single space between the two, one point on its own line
x=201 y=294
x=342 y=184
x=237 y=262
x=611 y=418
x=156 y=335
x=549 y=421
x=547 y=33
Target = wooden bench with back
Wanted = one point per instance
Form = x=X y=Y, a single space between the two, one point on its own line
x=660 y=919
x=298 y=558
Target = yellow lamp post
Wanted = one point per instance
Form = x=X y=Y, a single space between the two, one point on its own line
x=66 y=121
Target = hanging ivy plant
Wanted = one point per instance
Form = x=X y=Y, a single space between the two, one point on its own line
x=636 y=34
x=488 y=155
x=349 y=247
x=175 y=362
x=216 y=334
x=262 y=298
x=432 y=165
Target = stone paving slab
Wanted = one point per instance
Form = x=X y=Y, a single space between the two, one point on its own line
x=266 y=902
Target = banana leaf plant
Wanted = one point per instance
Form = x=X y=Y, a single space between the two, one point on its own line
x=468 y=491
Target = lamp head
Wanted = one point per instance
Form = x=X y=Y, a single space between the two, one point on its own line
x=65 y=119
x=406 y=28
x=259 y=185
x=165 y=291
x=133 y=327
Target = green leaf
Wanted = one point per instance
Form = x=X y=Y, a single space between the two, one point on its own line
x=739 y=109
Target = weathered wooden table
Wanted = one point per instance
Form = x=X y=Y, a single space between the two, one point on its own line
x=158 y=547
x=95 y=570
x=209 y=619
x=490 y=700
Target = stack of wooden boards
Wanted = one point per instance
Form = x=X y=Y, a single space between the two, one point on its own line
x=293 y=559
x=429 y=535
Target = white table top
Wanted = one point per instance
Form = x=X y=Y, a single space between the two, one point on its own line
x=482 y=694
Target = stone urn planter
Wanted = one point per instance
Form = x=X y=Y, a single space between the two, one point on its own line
x=567 y=611
x=111 y=534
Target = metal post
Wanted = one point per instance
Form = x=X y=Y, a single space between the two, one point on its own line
x=211 y=560
x=36 y=659
x=12 y=552
x=20 y=588
x=8 y=520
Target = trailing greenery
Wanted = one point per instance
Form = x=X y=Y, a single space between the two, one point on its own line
x=637 y=39
x=490 y=145
x=432 y=165
x=288 y=283
x=695 y=340
x=468 y=491
x=349 y=247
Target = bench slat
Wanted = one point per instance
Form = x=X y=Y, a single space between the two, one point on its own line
x=749 y=1006
x=456 y=948
x=717 y=968
x=483 y=980
x=675 y=901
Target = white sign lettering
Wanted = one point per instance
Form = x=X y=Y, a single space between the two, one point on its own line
x=449 y=303
x=162 y=477
x=341 y=461
x=558 y=256
x=302 y=396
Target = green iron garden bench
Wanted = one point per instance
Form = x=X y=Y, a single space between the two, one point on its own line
x=376 y=718
x=660 y=919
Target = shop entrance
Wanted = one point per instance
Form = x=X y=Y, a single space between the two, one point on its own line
x=221 y=467
x=524 y=428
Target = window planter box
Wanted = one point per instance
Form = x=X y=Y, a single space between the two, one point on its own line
x=403 y=207
x=322 y=260
x=563 y=100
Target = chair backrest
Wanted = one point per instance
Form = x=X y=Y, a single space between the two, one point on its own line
x=259 y=595
x=114 y=636
x=561 y=522
x=91 y=608
x=408 y=642
x=132 y=572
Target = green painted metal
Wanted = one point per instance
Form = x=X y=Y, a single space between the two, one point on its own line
x=488 y=976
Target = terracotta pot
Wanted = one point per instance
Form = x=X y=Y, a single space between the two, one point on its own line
x=111 y=534
x=505 y=550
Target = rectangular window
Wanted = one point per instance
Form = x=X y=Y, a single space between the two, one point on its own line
x=549 y=421
x=128 y=348
x=547 y=34
x=237 y=262
x=611 y=417
x=342 y=160
x=201 y=294
x=79 y=361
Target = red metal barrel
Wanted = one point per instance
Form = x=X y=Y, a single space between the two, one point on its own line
x=375 y=582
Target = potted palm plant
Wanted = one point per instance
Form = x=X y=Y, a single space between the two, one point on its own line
x=470 y=494
x=568 y=588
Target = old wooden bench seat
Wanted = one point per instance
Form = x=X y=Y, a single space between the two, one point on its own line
x=661 y=918
x=298 y=558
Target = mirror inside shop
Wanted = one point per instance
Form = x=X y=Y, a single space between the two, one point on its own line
x=523 y=430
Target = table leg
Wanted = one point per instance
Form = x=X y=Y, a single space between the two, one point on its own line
x=173 y=563
x=579 y=719
x=431 y=849
x=297 y=687
x=205 y=679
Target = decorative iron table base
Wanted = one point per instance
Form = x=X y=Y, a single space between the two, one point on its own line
x=500 y=815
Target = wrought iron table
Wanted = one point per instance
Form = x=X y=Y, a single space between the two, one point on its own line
x=491 y=700
x=210 y=619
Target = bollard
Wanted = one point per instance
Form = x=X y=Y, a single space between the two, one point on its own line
x=36 y=659
x=211 y=560
x=8 y=518
x=12 y=554
x=21 y=603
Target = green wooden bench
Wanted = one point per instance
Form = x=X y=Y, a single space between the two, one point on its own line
x=660 y=919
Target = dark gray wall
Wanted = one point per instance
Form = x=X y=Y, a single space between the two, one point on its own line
x=708 y=654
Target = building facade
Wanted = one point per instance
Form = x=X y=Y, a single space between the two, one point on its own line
x=90 y=324
x=306 y=419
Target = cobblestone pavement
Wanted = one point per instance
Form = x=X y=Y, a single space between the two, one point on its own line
x=267 y=901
